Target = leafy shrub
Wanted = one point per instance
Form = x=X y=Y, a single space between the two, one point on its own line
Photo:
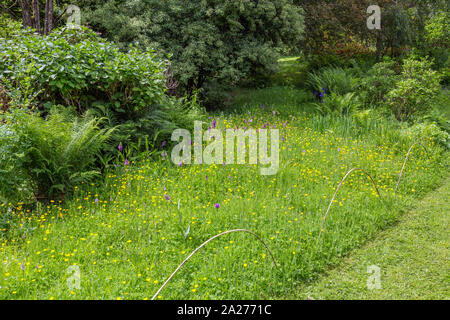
x=4 y=98
x=174 y=113
x=360 y=65
x=334 y=79
x=74 y=67
x=338 y=104
x=215 y=95
x=340 y=58
x=324 y=60
x=415 y=91
x=427 y=131
x=47 y=157
x=227 y=41
x=8 y=27
x=437 y=29
x=365 y=116
x=441 y=110
x=446 y=71
x=152 y=127
x=377 y=83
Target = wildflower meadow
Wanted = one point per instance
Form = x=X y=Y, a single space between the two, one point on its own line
x=215 y=150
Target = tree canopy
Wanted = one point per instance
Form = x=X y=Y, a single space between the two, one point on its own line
x=225 y=40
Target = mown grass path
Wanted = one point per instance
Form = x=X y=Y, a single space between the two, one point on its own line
x=413 y=257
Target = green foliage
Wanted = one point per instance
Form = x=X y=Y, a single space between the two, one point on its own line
x=376 y=84
x=224 y=41
x=325 y=60
x=47 y=157
x=293 y=72
x=8 y=27
x=338 y=104
x=339 y=26
x=277 y=99
x=175 y=113
x=416 y=90
x=120 y=241
x=332 y=79
x=329 y=23
x=442 y=102
x=397 y=29
x=74 y=67
x=427 y=131
x=437 y=39
x=438 y=30
x=152 y=127
x=215 y=95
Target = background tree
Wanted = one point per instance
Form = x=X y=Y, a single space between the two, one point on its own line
x=48 y=26
x=36 y=13
x=36 y=16
x=331 y=23
x=25 y=6
x=227 y=40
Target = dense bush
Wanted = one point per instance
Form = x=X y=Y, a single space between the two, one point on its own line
x=437 y=36
x=377 y=82
x=74 y=67
x=47 y=158
x=427 y=131
x=8 y=27
x=152 y=127
x=336 y=104
x=224 y=41
x=337 y=59
x=437 y=29
x=416 y=90
x=332 y=79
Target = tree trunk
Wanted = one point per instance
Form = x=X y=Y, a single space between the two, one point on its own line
x=26 y=13
x=48 y=27
x=379 y=45
x=37 y=21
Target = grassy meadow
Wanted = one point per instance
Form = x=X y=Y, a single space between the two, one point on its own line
x=130 y=232
x=412 y=256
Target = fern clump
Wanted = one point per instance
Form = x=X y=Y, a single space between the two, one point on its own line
x=332 y=79
x=46 y=158
x=338 y=104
